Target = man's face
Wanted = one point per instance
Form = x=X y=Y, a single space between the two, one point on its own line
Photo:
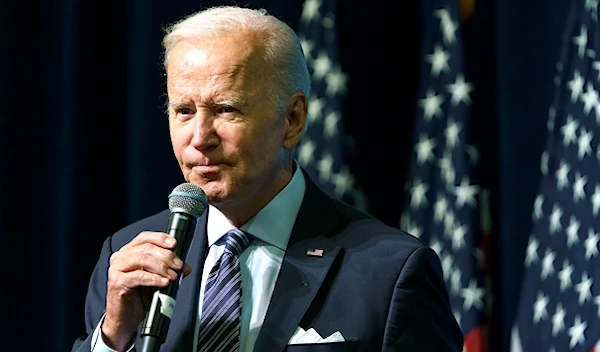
x=226 y=136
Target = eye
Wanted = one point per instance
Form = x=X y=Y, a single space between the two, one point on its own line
x=225 y=109
x=184 y=111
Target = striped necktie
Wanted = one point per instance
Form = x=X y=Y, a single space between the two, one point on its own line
x=222 y=303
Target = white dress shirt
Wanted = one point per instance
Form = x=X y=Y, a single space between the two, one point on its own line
x=259 y=263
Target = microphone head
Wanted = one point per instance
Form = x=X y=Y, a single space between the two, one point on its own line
x=188 y=198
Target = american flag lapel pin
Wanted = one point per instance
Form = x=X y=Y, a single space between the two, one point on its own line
x=317 y=252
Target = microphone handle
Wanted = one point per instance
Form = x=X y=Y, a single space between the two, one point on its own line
x=181 y=226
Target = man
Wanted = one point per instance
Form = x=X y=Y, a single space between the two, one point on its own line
x=237 y=86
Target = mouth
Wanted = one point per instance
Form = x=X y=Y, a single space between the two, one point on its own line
x=207 y=169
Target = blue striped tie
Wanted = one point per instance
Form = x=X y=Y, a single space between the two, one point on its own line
x=222 y=303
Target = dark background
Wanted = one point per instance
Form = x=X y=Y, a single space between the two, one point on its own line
x=84 y=145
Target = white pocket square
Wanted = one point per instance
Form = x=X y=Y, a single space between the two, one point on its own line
x=302 y=336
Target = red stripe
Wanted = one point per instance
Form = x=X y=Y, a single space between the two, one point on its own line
x=475 y=340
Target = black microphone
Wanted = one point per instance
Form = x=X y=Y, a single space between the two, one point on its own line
x=187 y=202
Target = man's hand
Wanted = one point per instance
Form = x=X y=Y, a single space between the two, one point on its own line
x=135 y=272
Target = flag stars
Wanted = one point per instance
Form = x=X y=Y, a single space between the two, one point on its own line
x=321 y=65
x=537 y=207
x=418 y=194
x=578 y=187
x=307 y=47
x=591 y=244
x=577 y=332
x=532 y=256
x=336 y=82
x=584 y=143
x=562 y=175
x=589 y=98
x=581 y=41
x=424 y=149
x=572 y=230
x=446 y=168
x=548 y=264
x=596 y=200
x=460 y=91
x=343 y=181
x=315 y=109
x=555 y=216
x=558 y=319
x=455 y=281
x=584 y=288
x=439 y=208
x=544 y=163
x=438 y=60
x=451 y=133
x=564 y=276
x=465 y=193
x=431 y=105
x=569 y=130
x=305 y=152
x=540 y=308
x=330 y=124
x=472 y=296
x=597 y=302
x=310 y=10
x=458 y=236
x=576 y=86
x=447 y=26
x=325 y=167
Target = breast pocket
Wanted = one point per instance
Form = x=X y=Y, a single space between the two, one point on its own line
x=324 y=347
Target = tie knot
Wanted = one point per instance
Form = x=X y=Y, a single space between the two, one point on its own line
x=237 y=241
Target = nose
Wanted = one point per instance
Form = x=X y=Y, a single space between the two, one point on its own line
x=204 y=135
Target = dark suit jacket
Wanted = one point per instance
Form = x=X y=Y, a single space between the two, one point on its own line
x=380 y=287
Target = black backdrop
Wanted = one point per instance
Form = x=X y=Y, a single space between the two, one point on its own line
x=84 y=145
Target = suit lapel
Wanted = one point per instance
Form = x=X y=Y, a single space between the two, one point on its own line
x=180 y=336
x=301 y=275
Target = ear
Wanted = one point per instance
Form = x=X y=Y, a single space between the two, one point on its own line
x=296 y=120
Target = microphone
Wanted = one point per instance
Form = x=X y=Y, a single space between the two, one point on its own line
x=187 y=202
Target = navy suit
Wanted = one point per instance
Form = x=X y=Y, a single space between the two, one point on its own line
x=380 y=287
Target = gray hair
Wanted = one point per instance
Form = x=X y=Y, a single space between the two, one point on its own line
x=284 y=55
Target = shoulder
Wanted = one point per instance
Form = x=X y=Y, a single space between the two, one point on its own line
x=155 y=222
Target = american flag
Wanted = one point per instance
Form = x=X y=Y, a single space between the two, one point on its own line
x=445 y=206
x=322 y=151
x=559 y=307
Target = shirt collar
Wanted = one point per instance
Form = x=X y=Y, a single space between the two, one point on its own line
x=273 y=223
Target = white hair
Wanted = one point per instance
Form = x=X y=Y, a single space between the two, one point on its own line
x=284 y=56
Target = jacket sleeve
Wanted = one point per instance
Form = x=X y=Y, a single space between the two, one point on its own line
x=420 y=317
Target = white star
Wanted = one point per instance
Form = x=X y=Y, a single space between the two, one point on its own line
x=321 y=65
x=451 y=133
x=589 y=98
x=447 y=261
x=584 y=288
x=537 y=207
x=544 y=162
x=572 y=229
x=438 y=60
x=562 y=175
x=578 y=187
x=447 y=168
x=564 y=276
x=336 y=82
x=584 y=143
x=418 y=194
x=539 y=308
x=460 y=90
x=596 y=66
x=596 y=200
x=439 y=208
x=581 y=41
x=532 y=248
x=577 y=332
x=307 y=47
x=315 y=109
x=465 y=193
x=436 y=245
x=449 y=222
x=343 y=182
x=555 y=225
x=325 y=167
x=591 y=244
x=558 y=320
x=576 y=86
x=447 y=26
x=305 y=152
x=568 y=130
x=472 y=295
x=431 y=105
x=330 y=124
x=597 y=302
x=310 y=10
x=424 y=149
x=547 y=264
x=458 y=236
x=455 y=279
